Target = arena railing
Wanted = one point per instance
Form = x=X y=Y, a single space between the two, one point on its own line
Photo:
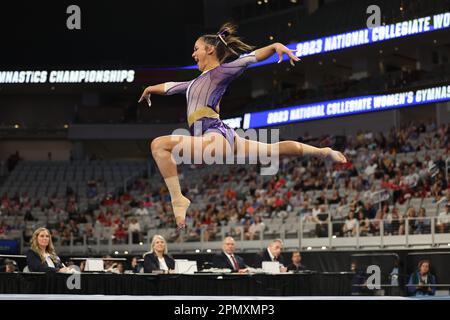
x=306 y=233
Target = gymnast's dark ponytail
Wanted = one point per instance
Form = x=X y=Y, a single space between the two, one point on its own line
x=226 y=42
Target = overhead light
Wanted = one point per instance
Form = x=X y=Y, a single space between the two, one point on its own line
x=289 y=24
x=401 y=8
x=208 y=250
x=116 y=252
x=66 y=126
x=381 y=51
x=125 y=252
x=197 y=250
x=309 y=248
x=271 y=37
x=141 y=244
x=260 y=2
x=293 y=1
x=334 y=237
x=16 y=126
x=323 y=248
x=435 y=41
x=265 y=1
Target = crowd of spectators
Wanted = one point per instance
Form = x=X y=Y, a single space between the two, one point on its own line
x=241 y=200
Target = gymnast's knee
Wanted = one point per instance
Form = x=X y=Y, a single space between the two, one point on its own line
x=156 y=146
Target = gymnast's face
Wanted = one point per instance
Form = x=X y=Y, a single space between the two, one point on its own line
x=202 y=53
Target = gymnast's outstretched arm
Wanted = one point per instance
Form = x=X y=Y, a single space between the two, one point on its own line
x=278 y=48
x=167 y=88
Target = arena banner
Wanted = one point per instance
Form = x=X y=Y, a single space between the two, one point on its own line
x=347 y=106
x=67 y=76
x=362 y=37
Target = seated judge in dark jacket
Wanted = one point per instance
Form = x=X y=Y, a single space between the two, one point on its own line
x=296 y=264
x=42 y=256
x=227 y=259
x=157 y=258
x=272 y=253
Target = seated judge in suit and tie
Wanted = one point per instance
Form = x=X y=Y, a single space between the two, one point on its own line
x=41 y=257
x=272 y=253
x=227 y=259
x=157 y=258
x=296 y=264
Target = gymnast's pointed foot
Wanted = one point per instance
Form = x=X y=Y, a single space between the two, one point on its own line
x=180 y=207
x=334 y=155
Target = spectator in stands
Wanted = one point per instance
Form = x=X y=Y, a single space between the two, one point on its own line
x=335 y=198
x=364 y=223
x=141 y=211
x=256 y=229
x=82 y=265
x=109 y=265
x=29 y=216
x=358 y=279
x=134 y=228
x=10 y=266
x=422 y=223
x=296 y=262
x=120 y=268
x=272 y=253
x=227 y=259
x=136 y=267
x=443 y=220
x=120 y=234
x=411 y=218
x=349 y=228
x=92 y=191
x=421 y=282
x=378 y=219
x=321 y=217
x=157 y=259
x=394 y=277
x=41 y=257
x=392 y=222
x=369 y=210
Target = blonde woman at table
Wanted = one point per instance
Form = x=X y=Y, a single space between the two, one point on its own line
x=42 y=255
x=157 y=259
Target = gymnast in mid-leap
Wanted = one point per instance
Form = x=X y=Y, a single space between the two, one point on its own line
x=203 y=94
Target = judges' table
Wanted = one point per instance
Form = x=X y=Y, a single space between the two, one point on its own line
x=325 y=284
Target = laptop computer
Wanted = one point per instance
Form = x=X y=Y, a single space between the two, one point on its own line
x=185 y=266
x=271 y=266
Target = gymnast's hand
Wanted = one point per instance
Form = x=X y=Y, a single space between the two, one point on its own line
x=281 y=49
x=146 y=96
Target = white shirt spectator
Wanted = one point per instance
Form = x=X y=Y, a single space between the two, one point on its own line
x=141 y=212
x=134 y=227
x=316 y=211
x=256 y=227
x=370 y=170
x=350 y=224
x=443 y=218
x=412 y=179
